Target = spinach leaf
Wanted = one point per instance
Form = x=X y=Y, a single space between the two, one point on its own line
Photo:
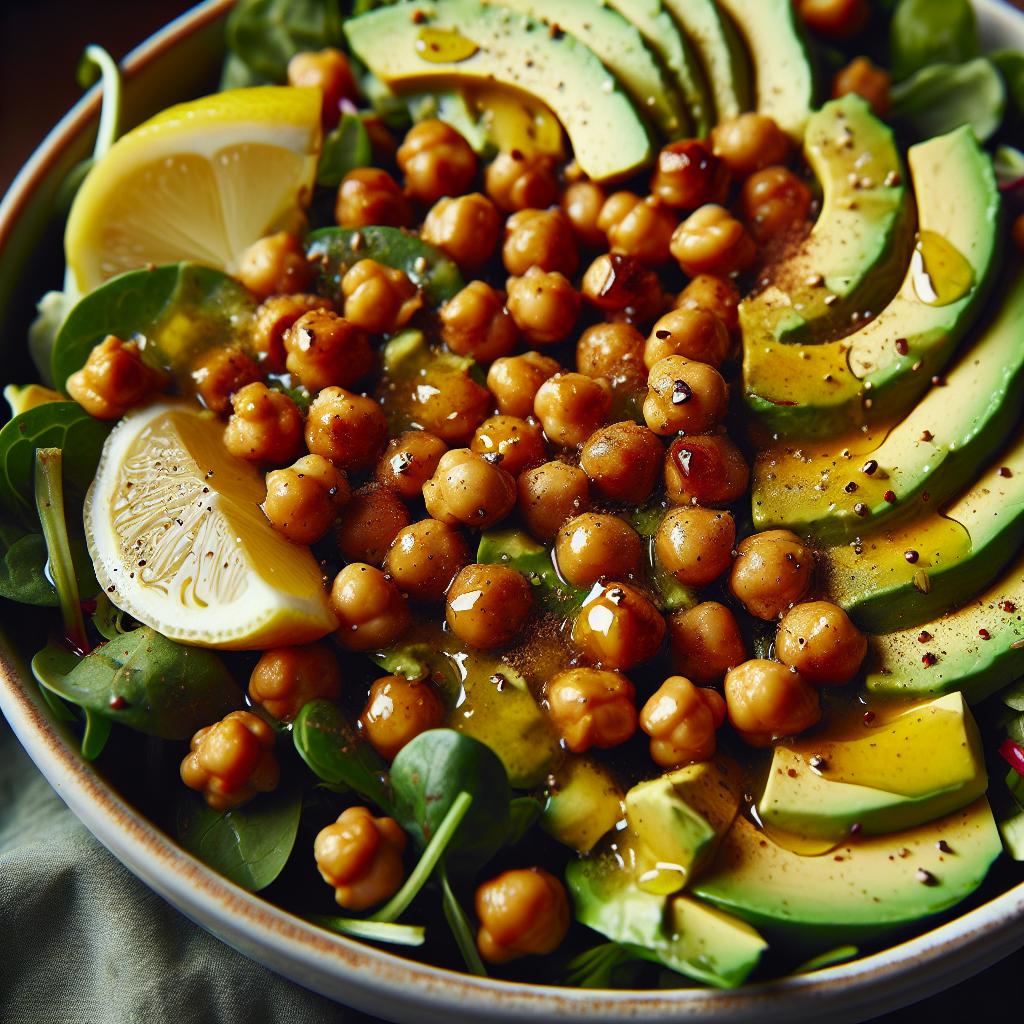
x=601 y=967
x=344 y=149
x=49 y=665
x=249 y=845
x=926 y=32
x=519 y=551
x=96 y=734
x=523 y=813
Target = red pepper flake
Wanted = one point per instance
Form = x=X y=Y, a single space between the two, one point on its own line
x=1013 y=754
x=902 y=346
x=791 y=772
x=117 y=703
x=869 y=717
x=984 y=634
x=890 y=497
x=926 y=436
x=1005 y=472
x=926 y=496
x=1007 y=606
x=924 y=636
x=928 y=659
x=869 y=467
x=911 y=556
x=939 y=382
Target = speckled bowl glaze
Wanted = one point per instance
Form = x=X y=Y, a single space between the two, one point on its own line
x=172 y=65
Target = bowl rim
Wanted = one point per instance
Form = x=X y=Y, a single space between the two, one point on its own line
x=381 y=981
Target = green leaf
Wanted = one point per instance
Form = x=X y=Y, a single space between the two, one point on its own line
x=1011 y=66
x=108 y=620
x=597 y=967
x=374 y=931
x=344 y=149
x=97 y=732
x=1013 y=695
x=523 y=813
x=48 y=665
x=1009 y=165
x=249 y=845
x=461 y=930
x=926 y=32
x=838 y=955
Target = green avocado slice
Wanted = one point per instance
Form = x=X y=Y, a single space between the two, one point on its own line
x=443 y=43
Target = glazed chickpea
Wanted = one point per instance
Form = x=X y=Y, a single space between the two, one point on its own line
x=231 y=761
x=327 y=70
x=705 y=470
x=712 y=241
x=683 y=395
x=540 y=238
x=397 y=711
x=612 y=350
x=451 y=405
x=819 y=640
x=544 y=305
x=549 y=495
x=594 y=545
x=409 y=462
x=582 y=202
x=515 y=380
x=379 y=299
x=693 y=333
x=641 y=228
x=835 y=19
x=487 y=605
x=868 y=81
x=571 y=407
x=749 y=142
x=372 y=520
x=618 y=626
x=372 y=613
x=705 y=642
x=516 y=181
x=303 y=500
x=424 y=559
x=689 y=175
x=621 y=286
x=324 y=349
x=681 y=720
x=510 y=442
x=466 y=227
x=219 y=373
x=772 y=572
x=361 y=857
x=476 y=323
x=369 y=196
x=436 y=161
x=274 y=265
x=695 y=544
x=623 y=461
x=265 y=426
x=286 y=679
x=775 y=203
x=521 y=913
x=765 y=699
x=274 y=316
x=591 y=708
x=717 y=295
x=114 y=379
x=466 y=488
x=349 y=430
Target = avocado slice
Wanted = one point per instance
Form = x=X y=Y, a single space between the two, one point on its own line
x=448 y=43
x=783 y=75
x=862 y=888
x=977 y=649
x=882 y=778
x=583 y=804
x=960 y=424
x=881 y=369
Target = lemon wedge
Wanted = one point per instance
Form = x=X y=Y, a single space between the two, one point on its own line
x=178 y=539
x=200 y=181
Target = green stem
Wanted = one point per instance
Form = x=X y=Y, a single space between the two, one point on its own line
x=110 y=113
x=459 y=924
x=395 y=907
x=375 y=931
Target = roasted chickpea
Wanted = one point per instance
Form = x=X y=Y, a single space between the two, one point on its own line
x=466 y=227
x=218 y=373
x=582 y=202
x=476 y=323
x=683 y=395
x=749 y=142
x=695 y=544
x=466 y=488
x=869 y=82
x=371 y=610
x=772 y=572
x=286 y=679
x=775 y=203
x=705 y=470
x=425 y=557
x=681 y=720
x=231 y=761
x=327 y=70
x=275 y=264
x=274 y=316
x=689 y=175
x=571 y=407
x=835 y=19
x=712 y=241
x=544 y=305
x=372 y=520
x=641 y=228
x=510 y=442
x=516 y=181
x=549 y=495
x=324 y=349
x=369 y=196
x=765 y=699
x=819 y=640
x=451 y=405
x=621 y=286
x=618 y=626
x=515 y=380
x=114 y=379
x=361 y=856
x=705 y=642
x=265 y=426
x=303 y=500
x=521 y=912
x=591 y=708
x=623 y=461
x=693 y=333
x=409 y=462
x=487 y=605
x=436 y=161
x=594 y=545
x=540 y=238
x=612 y=350
x=379 y=299
x=397 y=711
x=348 y=429
x=717 y=295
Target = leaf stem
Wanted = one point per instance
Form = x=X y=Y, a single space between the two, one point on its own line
x=459 y=925
x=376 y=931
x=110 y=113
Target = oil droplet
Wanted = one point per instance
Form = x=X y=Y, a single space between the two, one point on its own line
x=515 y=121
x=444 y=45
x=939 y=271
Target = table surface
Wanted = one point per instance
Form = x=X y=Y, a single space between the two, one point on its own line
x=48 y=66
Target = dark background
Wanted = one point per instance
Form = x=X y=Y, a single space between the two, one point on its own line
x=40 y=44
